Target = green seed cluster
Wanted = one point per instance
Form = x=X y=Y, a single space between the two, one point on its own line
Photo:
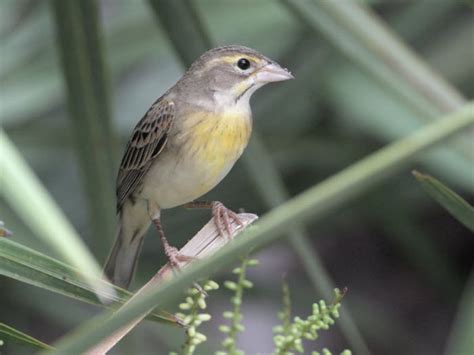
x=289 y=337
x=235 y=315
x=192 y=318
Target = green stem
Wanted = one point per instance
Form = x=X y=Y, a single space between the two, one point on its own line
x=286 y=312
x=237 y=304
x=188 y=348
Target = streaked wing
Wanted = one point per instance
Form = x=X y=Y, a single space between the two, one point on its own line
x=148 y=140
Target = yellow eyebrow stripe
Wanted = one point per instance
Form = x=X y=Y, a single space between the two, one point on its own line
x=230 y=59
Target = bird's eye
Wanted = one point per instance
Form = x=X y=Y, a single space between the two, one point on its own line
x=243 y=63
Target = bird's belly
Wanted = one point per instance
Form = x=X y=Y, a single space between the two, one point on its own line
x=198 y=160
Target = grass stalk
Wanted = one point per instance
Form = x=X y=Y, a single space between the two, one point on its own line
x=41 y=214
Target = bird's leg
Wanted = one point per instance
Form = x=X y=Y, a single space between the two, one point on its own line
x=221 y=215
x=172 y=253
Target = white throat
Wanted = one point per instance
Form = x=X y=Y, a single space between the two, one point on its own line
x=230 y=101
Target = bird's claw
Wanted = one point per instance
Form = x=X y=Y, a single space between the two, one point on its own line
x=222 y=216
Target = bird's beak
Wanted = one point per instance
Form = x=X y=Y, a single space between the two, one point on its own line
x=271 y=73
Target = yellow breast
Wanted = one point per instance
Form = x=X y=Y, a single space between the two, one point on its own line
x=216 y=141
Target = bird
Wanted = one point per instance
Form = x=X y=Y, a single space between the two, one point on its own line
x=185 y=144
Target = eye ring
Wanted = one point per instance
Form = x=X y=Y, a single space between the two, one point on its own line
x=243 y=63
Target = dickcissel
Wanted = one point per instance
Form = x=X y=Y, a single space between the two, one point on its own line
x=185 y=144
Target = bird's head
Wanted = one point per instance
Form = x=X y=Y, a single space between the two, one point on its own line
x=231 y=74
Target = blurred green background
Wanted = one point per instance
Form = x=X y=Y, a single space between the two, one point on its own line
x=403 y=258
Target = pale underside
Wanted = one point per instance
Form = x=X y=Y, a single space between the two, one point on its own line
x=196 y=161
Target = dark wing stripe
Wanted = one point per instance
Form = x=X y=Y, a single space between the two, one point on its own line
x=126 y=187
x=142 y=154
x=146 y=142
x=159 y=146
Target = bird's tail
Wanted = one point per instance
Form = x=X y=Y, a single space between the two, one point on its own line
x=122 y=261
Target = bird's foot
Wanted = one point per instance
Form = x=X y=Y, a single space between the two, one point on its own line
x=222 y=217
x=172 y=253
x=175 y=258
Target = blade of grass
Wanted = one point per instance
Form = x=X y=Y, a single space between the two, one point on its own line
x=9 y=333
x=361 y=108
x=29 y=266
x=256 y=158
x=30 y=200
x=314 y=203
x=451 y=201
x=358 y=33
x=78 y=34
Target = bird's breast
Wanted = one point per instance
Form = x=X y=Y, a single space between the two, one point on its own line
x=215 y=139
x=198 y=156
x=214 y=142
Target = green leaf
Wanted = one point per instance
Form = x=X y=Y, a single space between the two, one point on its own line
x=78 y=34
x=451 y=201
x=360 y=108
x=25 y=194
x=26 y=265
x=11 y=334
x=313 y=204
